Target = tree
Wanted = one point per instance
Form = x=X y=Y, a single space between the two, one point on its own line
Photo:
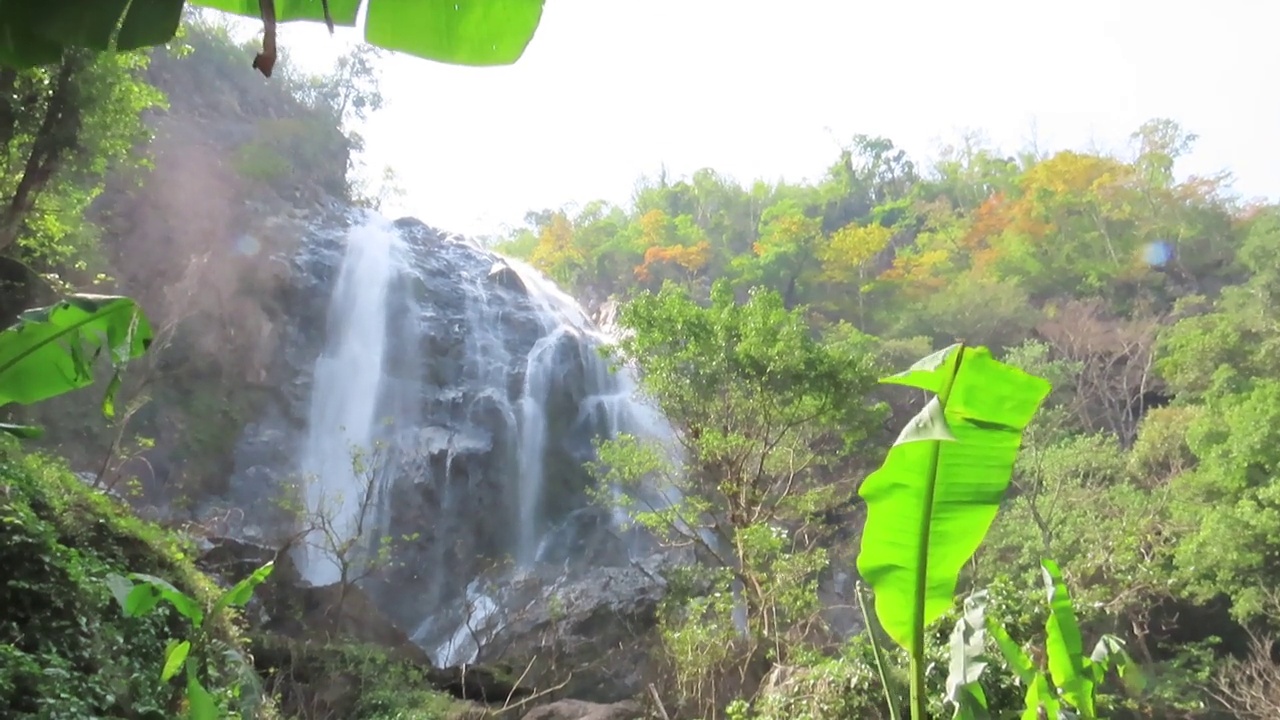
x=786 y=253
x=342 y=531
x=848 y=258
x=556 y=254
x=677 y=250
x=763 y=414
x=62 y=128
x=464 y=32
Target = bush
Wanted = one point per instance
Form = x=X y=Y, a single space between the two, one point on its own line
x=66 y=650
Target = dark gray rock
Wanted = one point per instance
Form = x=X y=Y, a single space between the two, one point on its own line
x=464 y=328
x=580 y=710
x=591 y=631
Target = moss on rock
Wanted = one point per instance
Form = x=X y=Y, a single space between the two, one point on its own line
x=66 y=649
x=351 y=680
x=68 y=652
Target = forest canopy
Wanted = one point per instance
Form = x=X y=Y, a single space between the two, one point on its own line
x=1146 y=297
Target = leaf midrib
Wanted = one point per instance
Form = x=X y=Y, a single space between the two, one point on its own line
x=926 y=519
x=97 y=315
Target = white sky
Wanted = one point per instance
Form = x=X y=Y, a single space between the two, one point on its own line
x=612 y=89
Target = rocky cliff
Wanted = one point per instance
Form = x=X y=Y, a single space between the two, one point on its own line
x=491 y=391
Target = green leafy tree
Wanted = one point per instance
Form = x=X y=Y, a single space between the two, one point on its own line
x=763 y=413
x=62 y=128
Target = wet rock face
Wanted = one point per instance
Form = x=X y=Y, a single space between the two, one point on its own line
x=586 y=634
x=470 y=339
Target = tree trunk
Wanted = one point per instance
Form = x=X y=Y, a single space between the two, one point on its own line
x=59 y=132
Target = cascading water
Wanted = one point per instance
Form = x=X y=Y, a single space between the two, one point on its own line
x=609 y=405
x=482 y=386
x=340 y=483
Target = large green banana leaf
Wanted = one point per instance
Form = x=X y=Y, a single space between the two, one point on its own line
x=932 y=501
x=52 y=350
x=461 y=32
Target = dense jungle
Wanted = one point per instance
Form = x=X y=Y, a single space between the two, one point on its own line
x=989 y=433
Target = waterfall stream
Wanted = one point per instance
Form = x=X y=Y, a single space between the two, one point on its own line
x=338 y=462
x=470 y=390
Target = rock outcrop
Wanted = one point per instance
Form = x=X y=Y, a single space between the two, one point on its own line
x=580 y=710
x=493 y=392
x=587 y=636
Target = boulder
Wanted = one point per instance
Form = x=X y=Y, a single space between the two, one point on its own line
x=593 y=634
x=285 y=606
x=495 y=685
x=581 y=710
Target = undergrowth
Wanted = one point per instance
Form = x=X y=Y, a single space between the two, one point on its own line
x=66 y=650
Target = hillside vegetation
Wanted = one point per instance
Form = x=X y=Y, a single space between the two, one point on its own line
x=1147 y=300
x=758 y=317
x=163 y=157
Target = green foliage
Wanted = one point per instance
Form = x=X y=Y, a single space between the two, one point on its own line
x=191 y=653
x=65 y=652
x=1072 y=679
x=1150 y=472
x=465 y=32
x=52 y=350
x=932 y=502
x=373 y=685
x=761 y=409
x=64 y=127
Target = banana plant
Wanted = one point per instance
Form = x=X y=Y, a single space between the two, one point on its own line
x=139 y=594
x=460 y=32
x=1068 y=690
x=53 y=350
x=931 y=503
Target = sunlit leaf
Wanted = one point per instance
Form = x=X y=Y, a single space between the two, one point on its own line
x=465 y=32
x=342 y=12
x=1063 y=645
x=932 y=501
x=175 y=654
x=51 y=350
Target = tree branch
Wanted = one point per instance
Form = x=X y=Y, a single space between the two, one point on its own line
x=265 y=61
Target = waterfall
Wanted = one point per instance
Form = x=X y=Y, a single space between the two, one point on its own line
x=338 y=460
x=611 y=404
x=481 y=387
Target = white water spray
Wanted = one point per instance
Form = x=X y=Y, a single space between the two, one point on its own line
x=344 y=398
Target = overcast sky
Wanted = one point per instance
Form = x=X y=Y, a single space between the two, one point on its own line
x=610 y=90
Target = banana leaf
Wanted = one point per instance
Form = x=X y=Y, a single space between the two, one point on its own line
x=1064 y=646
x=969 y=660
x=461 y=32
x=52 y=350
x=932 y=501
